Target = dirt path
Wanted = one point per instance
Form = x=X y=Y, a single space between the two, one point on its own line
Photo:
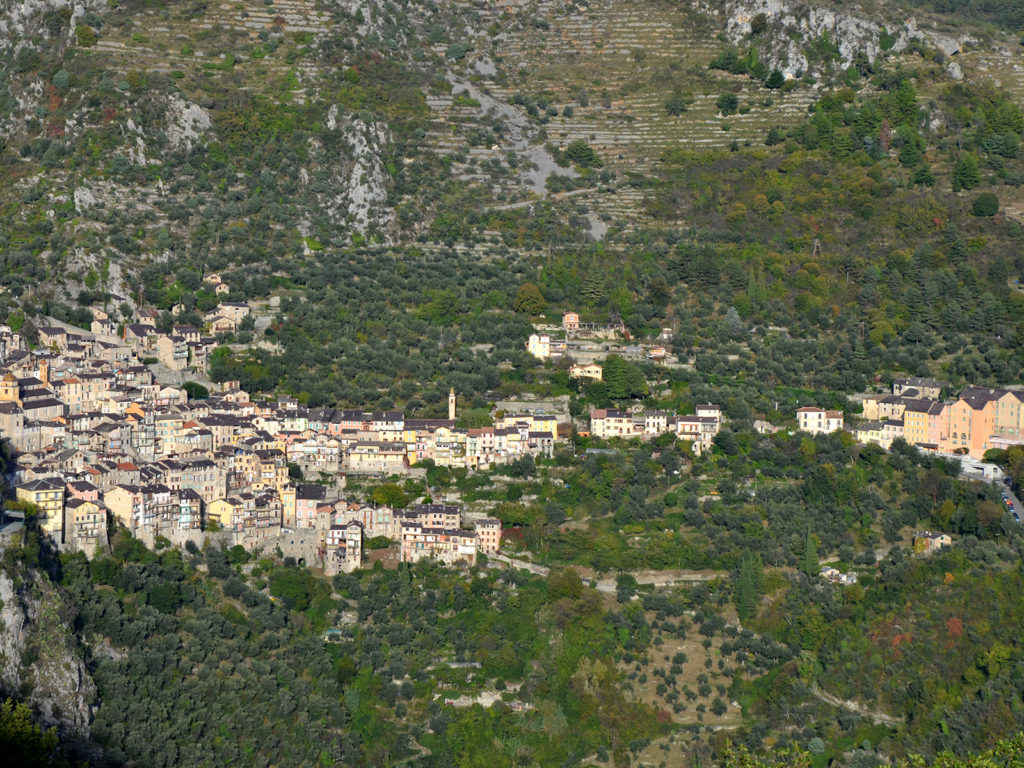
x=609 y=584
x=879 y=718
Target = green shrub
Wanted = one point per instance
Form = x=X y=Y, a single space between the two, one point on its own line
x=985 y=204
x=583 y=155
x=458 y=51
x=727 y=103
x=85 y=35
x=676 y=104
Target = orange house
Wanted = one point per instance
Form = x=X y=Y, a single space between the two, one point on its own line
x=972 y=421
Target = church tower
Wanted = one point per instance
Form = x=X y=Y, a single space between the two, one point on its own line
x=9 y=390
x=451 y=405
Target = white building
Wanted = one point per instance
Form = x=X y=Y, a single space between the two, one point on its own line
x=606 y=422
x=655 y=422
x=818 y=421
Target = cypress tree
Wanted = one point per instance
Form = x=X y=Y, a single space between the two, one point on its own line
x=809 y=564
x=749 y=585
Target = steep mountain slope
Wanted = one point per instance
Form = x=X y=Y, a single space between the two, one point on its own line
x=271 y=142
x=229 y=132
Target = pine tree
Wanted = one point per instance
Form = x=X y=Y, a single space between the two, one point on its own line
x=593 y=290
x=966 y=174
x=756 y=290
x=752 y=286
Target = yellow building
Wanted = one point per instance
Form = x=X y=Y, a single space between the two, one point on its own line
x=47 y=494
x=870 y=432
x=535 y=422
x=1009 y=415
x=225 y=512
x=545 y=423
x=87 y=524
x=287 y=494
x=924 y=423
x=10 y=392
x=539 y=345
x=125 y=504
x=592 y=371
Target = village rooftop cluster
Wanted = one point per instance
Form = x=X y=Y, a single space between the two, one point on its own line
x=95 y=438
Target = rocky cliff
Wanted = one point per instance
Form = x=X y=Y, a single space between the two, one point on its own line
x=798 y=38
x=40 y=658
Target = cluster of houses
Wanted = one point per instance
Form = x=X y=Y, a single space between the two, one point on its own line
x=700 y=429
x=835 y=576
x=95 y=438
x=434 y=531
x=424 y=531
x=186 y=347
x=980 y=419
x=589 y=343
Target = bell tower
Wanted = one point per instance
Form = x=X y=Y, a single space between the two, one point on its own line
x=9 y=389
x=451 y=405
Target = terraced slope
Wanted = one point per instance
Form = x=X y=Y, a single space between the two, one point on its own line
x=629 y=58
x=200 y=41
x=601 y=74
x=491 y=92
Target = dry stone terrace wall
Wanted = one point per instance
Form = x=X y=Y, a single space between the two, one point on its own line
x=302 y=544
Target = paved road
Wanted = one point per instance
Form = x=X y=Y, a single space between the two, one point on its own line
x=1002 y=487
x=1013 y=497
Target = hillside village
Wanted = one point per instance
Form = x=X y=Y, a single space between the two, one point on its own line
x=97 y=439
x=979 y=420
x=94 y=438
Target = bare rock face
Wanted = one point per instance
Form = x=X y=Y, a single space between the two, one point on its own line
x=39 y=653
x=84 y=199
x=354 y=193
x=792 y=27
x=185 y=123
x=20 y=18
